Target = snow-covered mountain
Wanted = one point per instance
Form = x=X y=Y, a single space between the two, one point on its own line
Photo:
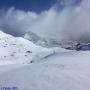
x=32 y=67
x=19 y=50
x=32 y=37
x=41 y=41
x=71 y=45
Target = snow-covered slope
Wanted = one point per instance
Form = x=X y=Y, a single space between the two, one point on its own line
x=62 y=71
x=50 y=68
x=19 y=50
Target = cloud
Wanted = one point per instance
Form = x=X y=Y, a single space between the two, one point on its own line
x=70 y=24
x=15 y=21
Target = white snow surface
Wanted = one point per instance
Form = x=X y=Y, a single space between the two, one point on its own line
x=52 y=68
x=19 y=50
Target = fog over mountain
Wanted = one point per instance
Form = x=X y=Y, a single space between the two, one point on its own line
x=67 y=20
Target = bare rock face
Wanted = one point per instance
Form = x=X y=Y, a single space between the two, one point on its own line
x=83 y=46
x=78 y=46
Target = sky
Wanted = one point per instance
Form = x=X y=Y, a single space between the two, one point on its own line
x=32 y=5
x=35 y=5
x=61 y=20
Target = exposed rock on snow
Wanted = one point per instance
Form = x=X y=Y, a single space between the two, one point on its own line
x=77 y=46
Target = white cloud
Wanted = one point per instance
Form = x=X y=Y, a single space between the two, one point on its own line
x=72 y=23
x=16 y=21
